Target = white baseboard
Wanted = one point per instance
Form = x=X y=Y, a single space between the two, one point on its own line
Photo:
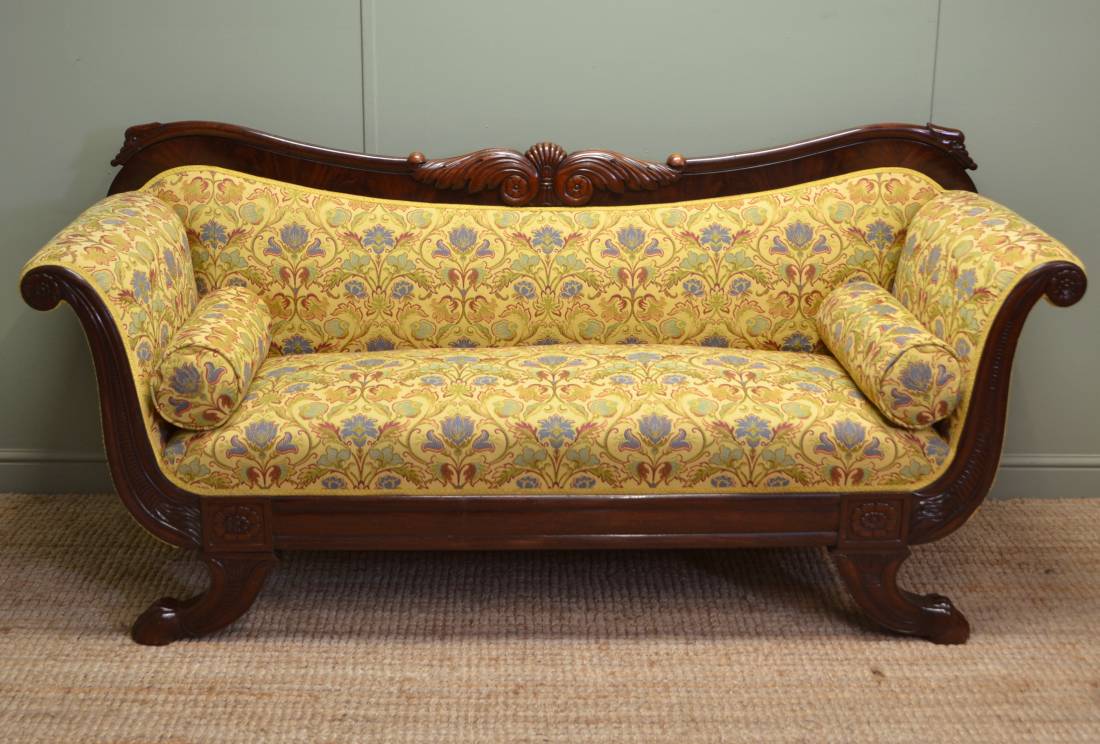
x=1033 y=475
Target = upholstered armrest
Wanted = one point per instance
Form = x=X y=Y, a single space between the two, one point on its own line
x=132 y=250
x=963 y=256
x=125 y=267
x=970 y=271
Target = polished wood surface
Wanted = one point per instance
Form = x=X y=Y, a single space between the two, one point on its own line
x=545 y=174
x=868 y=533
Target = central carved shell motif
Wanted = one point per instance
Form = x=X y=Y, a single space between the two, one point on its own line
x=545 y=174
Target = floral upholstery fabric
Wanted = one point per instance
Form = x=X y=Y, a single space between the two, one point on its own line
x=910 y=374
x=374 y=279
x=347 y=273
x=574 y=419
x=209 y=363
x=133 y=249
x=963 y=255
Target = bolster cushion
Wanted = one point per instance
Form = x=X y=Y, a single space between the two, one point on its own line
x=909 y=373
x=210 y=361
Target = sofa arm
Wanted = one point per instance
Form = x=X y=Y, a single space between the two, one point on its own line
x=970 y=271
x=963 y=255
x=125 y=267
x=132 y=249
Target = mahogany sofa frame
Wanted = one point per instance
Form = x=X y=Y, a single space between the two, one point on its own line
x=868 y=534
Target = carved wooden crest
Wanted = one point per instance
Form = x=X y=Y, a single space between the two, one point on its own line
x=545 y=174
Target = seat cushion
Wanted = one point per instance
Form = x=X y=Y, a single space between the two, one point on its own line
x=572 y=419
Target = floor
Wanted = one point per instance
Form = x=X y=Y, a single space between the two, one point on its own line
x=633 y=646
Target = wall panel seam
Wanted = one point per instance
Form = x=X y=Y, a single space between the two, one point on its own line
x=935 y=62
x=362 y=79
x=374 y=73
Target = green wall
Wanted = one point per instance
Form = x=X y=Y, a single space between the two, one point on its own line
x=644 y=77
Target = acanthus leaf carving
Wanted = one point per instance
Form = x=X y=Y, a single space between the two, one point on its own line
x=588 y=170
x=509 y=170
x=545 y=171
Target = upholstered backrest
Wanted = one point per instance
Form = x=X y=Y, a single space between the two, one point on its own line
x=348 y=273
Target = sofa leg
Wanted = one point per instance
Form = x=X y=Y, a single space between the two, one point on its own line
x=235 y=580
x=871 y=578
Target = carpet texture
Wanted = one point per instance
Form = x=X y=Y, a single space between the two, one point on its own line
x=632 y=646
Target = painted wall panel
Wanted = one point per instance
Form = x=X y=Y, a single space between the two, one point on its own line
x=72 y=77
x=647 y=78
x=1020 y=79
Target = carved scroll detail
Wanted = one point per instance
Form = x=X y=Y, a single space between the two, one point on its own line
x=955 y=142
x=513 y=173
x=588 y=170
x=1066 y=286
x=41 y=290
x=544 y=171
x=134 y=139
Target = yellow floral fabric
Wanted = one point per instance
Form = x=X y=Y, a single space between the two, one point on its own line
x=572 y=419
x=910 y=374
x=347 y=273
x=210 y=361
x=962 y=256
x=371 y=281
x=133 y=249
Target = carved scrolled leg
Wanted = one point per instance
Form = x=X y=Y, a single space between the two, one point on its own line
x=871 y=578
x=235 y=580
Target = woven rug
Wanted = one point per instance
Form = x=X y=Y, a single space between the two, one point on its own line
x=631 y=646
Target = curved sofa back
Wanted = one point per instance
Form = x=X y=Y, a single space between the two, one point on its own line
x=349 y=273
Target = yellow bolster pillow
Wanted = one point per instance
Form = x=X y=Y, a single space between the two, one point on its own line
x=910 y=374
x=210 y=361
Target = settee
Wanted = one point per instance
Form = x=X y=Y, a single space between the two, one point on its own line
x=302 y=348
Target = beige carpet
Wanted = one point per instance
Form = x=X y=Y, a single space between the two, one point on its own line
x=625 y=646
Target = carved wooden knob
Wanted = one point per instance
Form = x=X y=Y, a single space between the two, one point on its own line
x=675 y=160
x=415 y=158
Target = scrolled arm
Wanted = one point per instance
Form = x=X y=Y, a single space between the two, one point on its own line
x=971 y=270
x=125 y=267
x=132 y=250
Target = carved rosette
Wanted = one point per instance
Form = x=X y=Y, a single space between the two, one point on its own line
x=546 y=172
x=237 y=523
x=1066 y=286
x=876 y=520
x=41 y=290
x=231 y=524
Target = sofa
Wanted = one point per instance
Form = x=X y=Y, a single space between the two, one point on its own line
x=302 y=348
